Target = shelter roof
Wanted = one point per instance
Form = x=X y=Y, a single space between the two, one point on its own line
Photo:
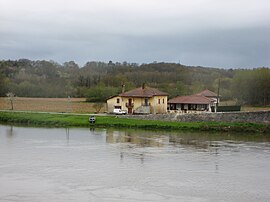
x=145 y=92
x=207 y=93
x=191 y=99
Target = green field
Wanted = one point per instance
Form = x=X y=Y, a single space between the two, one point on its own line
x=68 y=120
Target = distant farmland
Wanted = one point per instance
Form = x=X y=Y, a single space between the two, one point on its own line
x=75 y=105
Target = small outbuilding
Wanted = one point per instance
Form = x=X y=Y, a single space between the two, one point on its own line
x=205 y=101
x=209 y=94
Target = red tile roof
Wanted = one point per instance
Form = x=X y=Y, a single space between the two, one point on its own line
x=207 y=93
x=191 y=99
x=143 y=92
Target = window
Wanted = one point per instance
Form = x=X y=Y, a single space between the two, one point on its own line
x=118 y=100
x=163 y=100
x=146 y=102
x=158 y=101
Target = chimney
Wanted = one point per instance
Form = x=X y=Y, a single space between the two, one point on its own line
x=143 y=86
x=123 y=88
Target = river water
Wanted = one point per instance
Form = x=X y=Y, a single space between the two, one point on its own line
x=80 y=164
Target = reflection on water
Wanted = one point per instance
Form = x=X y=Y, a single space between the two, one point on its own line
x=202 y=141
x=139 y=143
x=10 y=132
x=138 y=139
x=76 y=164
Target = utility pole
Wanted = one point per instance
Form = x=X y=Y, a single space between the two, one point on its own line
x=69 y=104
x=218 y=92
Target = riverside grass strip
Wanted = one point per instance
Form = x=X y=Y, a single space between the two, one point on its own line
x=71 y=120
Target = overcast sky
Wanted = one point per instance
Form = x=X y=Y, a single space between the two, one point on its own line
x=214 y=33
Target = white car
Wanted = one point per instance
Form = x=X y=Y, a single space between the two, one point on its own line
x=119 y=111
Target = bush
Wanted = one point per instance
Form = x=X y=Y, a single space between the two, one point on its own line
x=100 y=93
x=229 y=108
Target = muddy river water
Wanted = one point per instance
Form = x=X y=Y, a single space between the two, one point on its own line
x=82 y=164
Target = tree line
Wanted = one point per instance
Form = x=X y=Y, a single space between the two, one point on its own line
x=99 y=80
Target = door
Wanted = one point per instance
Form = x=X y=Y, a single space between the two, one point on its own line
x=129 y=102
x=129 y=106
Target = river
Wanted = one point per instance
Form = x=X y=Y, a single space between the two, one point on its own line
x=80 y=164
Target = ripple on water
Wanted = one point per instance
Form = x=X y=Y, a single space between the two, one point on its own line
x=111 y=165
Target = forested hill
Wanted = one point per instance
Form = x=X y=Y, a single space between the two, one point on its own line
x=98 y=80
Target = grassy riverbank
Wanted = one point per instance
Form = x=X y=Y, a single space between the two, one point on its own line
x=69 y=120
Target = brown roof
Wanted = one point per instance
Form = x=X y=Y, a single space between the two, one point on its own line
x=143 y=92
x=191 y=99
x=207 y=93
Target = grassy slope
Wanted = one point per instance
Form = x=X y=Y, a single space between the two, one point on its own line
x=65 y=120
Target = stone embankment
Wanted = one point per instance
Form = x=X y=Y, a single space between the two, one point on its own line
x=260 y=117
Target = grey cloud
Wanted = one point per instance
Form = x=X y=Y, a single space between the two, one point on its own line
x=199 y=32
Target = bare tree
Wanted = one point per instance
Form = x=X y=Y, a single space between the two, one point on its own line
x=97 y=106
x=11 y=98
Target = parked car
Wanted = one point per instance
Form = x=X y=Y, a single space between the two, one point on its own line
x=119 y=111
